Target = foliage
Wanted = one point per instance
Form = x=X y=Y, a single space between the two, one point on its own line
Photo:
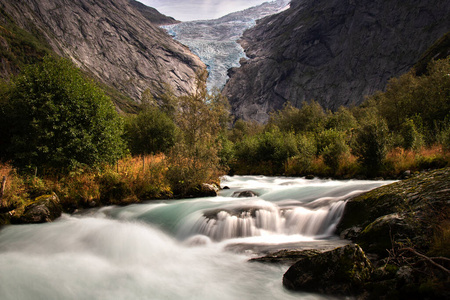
x=332 y=145
x=201 y=117
x=309 y=118
x=149 y=132
x=412 y=139
x=424 y=99
x=243 y=129
x=342 y=120
x=55 y=119
x=371 y=144
x=272 y=149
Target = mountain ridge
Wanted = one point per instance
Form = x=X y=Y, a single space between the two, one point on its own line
x=335 y=52
x=113 y=41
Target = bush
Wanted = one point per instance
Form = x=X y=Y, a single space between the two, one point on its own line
x=53 y=118
x=371 y=144
x=412 y=139
x=150 y=132
x=309 y=118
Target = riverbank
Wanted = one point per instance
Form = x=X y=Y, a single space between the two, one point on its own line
x=130 y=181
x=403 y=233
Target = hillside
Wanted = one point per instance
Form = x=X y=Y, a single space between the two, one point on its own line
x=335 y=52
x=112 y=40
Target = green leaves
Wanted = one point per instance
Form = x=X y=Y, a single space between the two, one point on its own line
x=59 y=120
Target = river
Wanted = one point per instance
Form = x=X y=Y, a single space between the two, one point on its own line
x=177 y=249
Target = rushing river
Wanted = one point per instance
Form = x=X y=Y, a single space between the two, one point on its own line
x=177 y=249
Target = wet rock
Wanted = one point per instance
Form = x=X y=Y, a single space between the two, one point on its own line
x=378 y=236
x=45 y=208
x=209 y=190
x=244 y=194
x=342 y=271
x=286 y=256
x=309 y=177
x=351 y=233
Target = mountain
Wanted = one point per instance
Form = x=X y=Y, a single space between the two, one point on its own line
x=113 y=40
x=152 y=14
x=333 y=51
x=215 y=41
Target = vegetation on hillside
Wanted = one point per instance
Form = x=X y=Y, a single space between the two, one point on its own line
x=55 y=120
x=60 y=133
x=61 y=127
x=407 y=127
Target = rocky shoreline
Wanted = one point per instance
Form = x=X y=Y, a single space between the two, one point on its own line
x=400 y=250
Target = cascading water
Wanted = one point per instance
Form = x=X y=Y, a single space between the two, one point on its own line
x=177 y=249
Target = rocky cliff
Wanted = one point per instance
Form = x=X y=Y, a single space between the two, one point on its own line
x=332 y=51
x=114 y=40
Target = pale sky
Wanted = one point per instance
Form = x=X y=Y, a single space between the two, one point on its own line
x=188 y=10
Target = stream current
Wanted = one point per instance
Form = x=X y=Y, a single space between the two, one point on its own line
x=177 y=249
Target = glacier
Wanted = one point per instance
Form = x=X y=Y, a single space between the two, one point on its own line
x=215 y=42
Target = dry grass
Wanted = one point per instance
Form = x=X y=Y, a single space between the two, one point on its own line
x=399 y=160
x=14 y=190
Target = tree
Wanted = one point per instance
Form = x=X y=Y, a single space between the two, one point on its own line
x=332 y=145
x=54 y=118
x=309 y=118
x=201 y=117
x=371 y=144
x=150 y=132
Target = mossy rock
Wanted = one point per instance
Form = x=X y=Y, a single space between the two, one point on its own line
x=342 y=271
x=43 y=209
x=377 y=237
x=286 y=256
x=419 y=199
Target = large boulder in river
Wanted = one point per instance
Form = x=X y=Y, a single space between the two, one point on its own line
x=411 y=209
x=45 y=208
x=342 y=271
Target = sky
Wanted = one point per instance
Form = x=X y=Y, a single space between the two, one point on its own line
x=189 y=10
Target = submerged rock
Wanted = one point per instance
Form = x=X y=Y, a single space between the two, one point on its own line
x=45 y=208
x=342 y=271
x=286 y=256
x=244 y=194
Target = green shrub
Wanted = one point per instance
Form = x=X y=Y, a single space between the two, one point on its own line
x=53 y=118
x=371 y=144
x=412 y=139
x=150 y=132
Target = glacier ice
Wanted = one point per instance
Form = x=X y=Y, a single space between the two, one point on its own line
x=215 y=41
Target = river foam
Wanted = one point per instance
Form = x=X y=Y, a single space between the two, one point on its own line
x=153 y=251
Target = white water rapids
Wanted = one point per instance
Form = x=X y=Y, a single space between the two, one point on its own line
x=177 y=249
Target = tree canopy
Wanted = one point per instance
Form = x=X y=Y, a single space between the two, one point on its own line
x=54 y=118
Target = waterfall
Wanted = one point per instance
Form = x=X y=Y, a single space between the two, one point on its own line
x=177 y=249
x=263 y=221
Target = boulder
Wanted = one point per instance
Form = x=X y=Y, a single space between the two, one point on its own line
x=208 y=190
x=342 y=271
x=45 y=208
x=244 y=194
x=286 y=256
x=378 y=236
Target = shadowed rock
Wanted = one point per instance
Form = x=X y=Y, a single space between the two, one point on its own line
x=342 y=271
x=46 y=208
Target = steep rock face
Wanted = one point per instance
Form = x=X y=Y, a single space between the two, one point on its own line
x=334 y=52
x=112 y=40
x=152 y=14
